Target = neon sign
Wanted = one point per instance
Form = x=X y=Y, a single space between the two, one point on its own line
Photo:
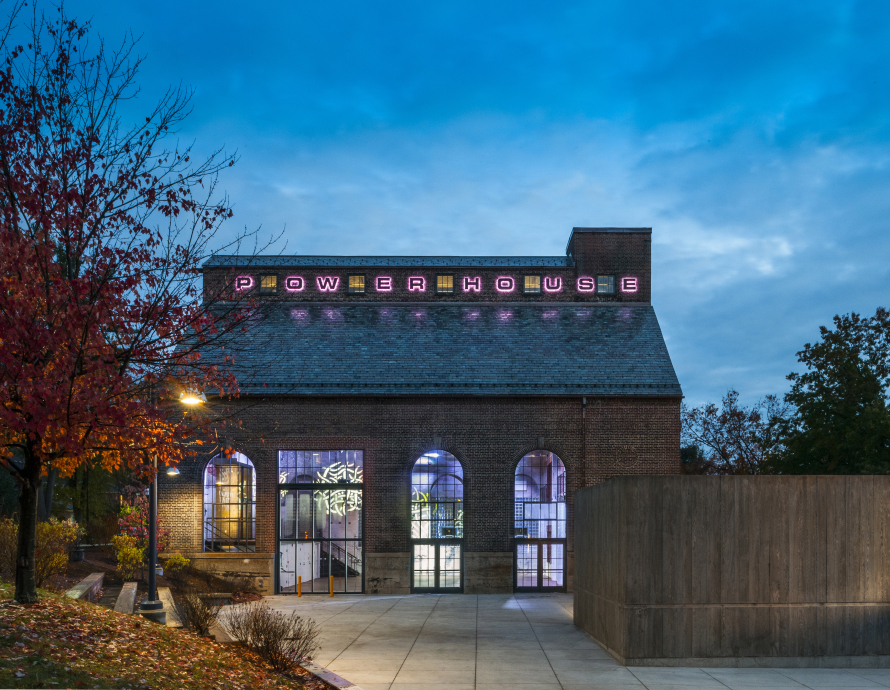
x=327 y=283
x=294 y=284
x=472 y=284
x=552 y=284
x=504 y=284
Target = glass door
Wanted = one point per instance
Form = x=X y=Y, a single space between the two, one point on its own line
x=539 y=565
x=436 y=567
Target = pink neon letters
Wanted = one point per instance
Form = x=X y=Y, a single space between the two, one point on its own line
x=243 y=283
x=552 y=284
x=504 y=284
x=586 y=284
x=327 y=283
x=294 y=284
x=470 y=284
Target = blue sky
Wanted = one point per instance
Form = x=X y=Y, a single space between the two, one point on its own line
x=753 y=137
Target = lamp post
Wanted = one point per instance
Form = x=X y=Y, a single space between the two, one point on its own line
x=152 y=607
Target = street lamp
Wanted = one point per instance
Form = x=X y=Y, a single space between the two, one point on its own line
x=153 y=608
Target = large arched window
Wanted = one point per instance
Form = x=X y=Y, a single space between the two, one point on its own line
x=230 y=504
x=437 y=523
x=539 y=522
x=540 y=496
x=437 y=494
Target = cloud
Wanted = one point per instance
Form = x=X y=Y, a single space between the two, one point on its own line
x=752 y=136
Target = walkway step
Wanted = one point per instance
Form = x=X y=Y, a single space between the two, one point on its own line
x=126 y=600
x=165 y=595
x=87 y=588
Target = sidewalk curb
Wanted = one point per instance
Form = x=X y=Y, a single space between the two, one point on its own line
x=328 y=676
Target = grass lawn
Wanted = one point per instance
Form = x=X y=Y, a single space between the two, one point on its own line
x=63 y=643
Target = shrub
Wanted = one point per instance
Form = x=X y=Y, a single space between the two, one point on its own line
x=280 y=639
x=176 y=563
x=196 y=612
x=9 y=538
x=54 y=539
x=133 y=522
x=129 y=555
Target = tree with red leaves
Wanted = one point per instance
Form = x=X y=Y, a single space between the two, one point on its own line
x=102 y=232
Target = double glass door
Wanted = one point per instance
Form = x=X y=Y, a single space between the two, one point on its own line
x=540 y=565
x=436 y=566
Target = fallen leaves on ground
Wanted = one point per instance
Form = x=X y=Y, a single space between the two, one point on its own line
x=60 y=642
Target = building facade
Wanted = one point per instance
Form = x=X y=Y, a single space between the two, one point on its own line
x=421 y=424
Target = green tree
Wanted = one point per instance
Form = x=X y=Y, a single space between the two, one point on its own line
x=841 y=423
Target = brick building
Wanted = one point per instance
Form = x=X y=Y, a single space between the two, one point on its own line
x=428 y=419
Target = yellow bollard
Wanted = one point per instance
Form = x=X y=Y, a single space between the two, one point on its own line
x=299 y=585
x=332 y=585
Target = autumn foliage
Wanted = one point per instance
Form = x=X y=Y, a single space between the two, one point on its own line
x=102 y=233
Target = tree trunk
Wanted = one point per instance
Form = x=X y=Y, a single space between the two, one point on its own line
x=25 y=582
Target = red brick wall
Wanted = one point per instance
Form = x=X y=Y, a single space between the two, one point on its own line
x=601 y=438
x=615 y=253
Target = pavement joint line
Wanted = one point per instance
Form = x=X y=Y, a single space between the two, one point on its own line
x=717 y=679
x=534 y=632
x=873 y=680
x=382 y=613
x=419 y=633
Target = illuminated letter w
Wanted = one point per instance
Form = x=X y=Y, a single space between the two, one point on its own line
x=327 y=283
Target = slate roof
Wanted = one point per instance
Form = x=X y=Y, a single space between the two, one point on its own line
x=387 y=261
x=457 y=349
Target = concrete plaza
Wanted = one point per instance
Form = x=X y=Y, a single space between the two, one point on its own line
x=524 y=641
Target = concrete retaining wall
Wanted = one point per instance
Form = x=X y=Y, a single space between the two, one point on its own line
x=736 y=571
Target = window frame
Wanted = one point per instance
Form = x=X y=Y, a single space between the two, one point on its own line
x=352 y=291
x=238 y=542
x=266 y=290
x=444 y=292
x=526 y=290
x=605 y=292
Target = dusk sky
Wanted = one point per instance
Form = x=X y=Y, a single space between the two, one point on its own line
x=753 y=137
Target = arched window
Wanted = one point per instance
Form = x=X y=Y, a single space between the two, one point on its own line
x=230 y=504
x=539 y=522
x=437 y=493
x=540 y=497
x=437 y=523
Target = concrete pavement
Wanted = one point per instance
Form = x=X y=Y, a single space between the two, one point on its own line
x=522 y=642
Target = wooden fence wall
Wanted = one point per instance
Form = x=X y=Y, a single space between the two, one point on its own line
x=736 y=571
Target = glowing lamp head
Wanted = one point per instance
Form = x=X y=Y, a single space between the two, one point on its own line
x=189 y=398
x=173 y=472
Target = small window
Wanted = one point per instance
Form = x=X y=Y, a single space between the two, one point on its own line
x=532 y=285
x=444 y=285
x=356 y=285
x=605 y=285
x=268 y=285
